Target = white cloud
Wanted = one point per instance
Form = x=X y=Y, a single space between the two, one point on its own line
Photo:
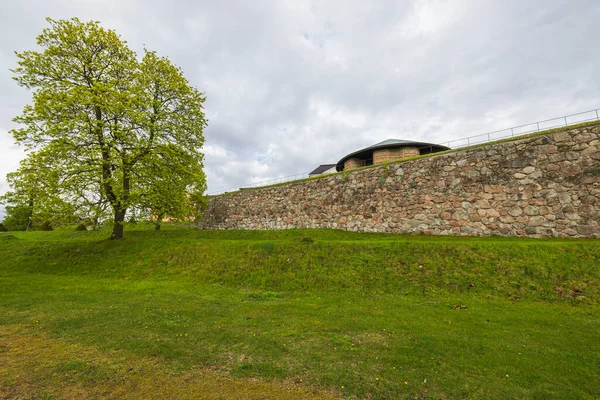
x=431 y=17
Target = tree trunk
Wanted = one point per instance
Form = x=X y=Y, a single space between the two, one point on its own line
x=118 y=225
x=30 y=216
x=120 y=208
x=158 y=221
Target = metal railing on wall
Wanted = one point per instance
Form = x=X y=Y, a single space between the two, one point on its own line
x=539 y=126
x=515 y=131
x=275 y=181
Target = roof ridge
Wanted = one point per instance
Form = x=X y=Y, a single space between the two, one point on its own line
x=391 y=141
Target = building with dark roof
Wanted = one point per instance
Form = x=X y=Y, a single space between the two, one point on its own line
x=388 y=150
x=323 y=169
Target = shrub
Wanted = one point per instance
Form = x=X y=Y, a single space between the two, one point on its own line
x=306 y=239
x=3 y=228
x=81 y=227
x=46 y=226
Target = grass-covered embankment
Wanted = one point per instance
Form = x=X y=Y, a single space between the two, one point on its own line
x=345 y=314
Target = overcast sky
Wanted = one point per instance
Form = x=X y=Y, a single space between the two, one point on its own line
x=294 y=84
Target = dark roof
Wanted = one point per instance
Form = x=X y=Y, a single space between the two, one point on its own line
x=392 y=142
x=367 y=152
x=322 y=168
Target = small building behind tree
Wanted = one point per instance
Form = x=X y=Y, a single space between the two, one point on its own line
x=323 y=170
x=388 y=150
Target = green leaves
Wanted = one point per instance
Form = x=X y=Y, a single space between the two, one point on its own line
x=114 y=130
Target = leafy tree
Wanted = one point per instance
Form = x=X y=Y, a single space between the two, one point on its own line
x=108 y=125
x=174 y=194
x=34 y=188
x=18 y=218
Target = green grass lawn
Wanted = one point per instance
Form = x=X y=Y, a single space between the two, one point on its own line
x=183 y=313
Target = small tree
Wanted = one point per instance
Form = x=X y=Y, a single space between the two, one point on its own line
x=35 y=189
x=173 y=194
x=18 y=218
x=100 y=116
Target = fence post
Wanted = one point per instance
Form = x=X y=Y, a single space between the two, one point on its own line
x=538 y=126
x=566 y=123
x=512 y=132
x=597 y=114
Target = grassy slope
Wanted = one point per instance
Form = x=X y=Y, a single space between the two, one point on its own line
x=354 y=314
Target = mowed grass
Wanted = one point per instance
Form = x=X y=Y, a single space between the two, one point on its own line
x=183 y=313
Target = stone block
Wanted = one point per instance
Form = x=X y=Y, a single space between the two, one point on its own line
x=383 y=155
x=493 y=188
x=482 y=204
x=564 y=198
x=531 y=210
x=490 y=212
x=515 y=211
x=536 y=221
x=587 y=229
x=562 y=136
x=352 y=163
x=571 y=169
x=589 y=200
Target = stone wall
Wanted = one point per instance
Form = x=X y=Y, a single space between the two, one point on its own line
x=352 y=163
x=383 y=155
x=540 y=186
